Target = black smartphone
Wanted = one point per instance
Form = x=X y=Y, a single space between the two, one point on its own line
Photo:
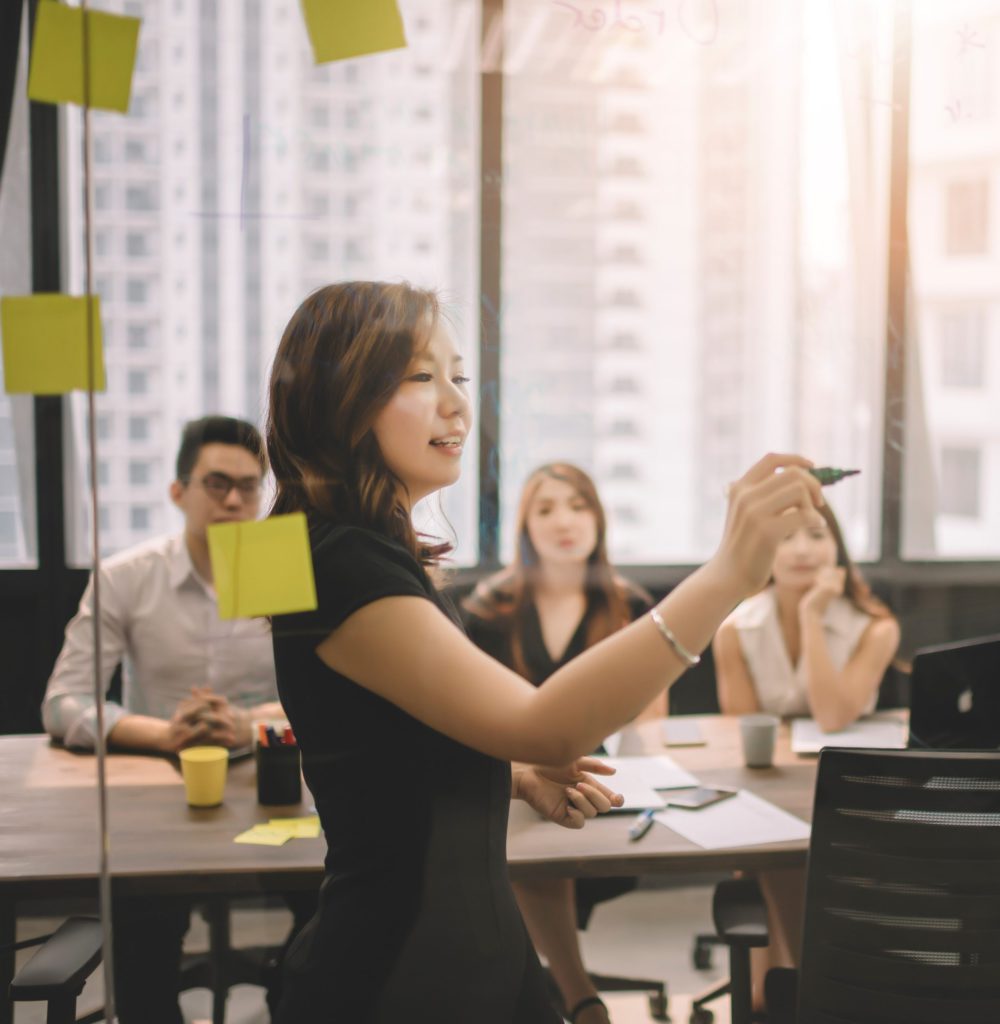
x=697 y=797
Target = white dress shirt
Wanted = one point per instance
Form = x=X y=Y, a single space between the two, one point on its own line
x=160 y=619
x=781 y=687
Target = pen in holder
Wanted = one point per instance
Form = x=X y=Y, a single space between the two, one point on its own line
x=279 y=775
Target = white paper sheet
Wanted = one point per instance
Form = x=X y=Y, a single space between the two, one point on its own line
x=639 y=778
x=742 y=820
x=808 y=738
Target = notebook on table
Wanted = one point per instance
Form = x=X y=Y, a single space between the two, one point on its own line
x=876 y=731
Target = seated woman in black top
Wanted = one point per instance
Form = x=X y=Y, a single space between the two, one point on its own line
x=558 y=597
x=407 y=729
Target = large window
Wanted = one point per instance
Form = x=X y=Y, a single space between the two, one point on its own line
x=694 y=201
x=242 y=178
x=18 y=530
x=693 y=245
x=952 y=504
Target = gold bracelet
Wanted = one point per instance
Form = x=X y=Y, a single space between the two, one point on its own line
x=676 y=646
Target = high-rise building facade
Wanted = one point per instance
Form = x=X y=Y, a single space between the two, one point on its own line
x=955 y=245
x=667 y=314
x=242 y=178
x=663 y=319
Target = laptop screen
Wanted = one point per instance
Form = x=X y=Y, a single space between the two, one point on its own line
x=955 y=696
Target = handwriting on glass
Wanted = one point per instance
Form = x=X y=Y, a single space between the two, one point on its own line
x=968 y=39
x=698 y=19
x=955 y=111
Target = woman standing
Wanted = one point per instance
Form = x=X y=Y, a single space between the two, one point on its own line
x=559 y=597
x=407 y=729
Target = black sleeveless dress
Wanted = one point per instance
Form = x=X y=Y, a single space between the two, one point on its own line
x=416 y=921
x=494 y=637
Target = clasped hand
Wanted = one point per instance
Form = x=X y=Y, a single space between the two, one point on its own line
x=207 y=717
x=570 y=794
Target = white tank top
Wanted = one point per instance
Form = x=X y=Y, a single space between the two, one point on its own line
x=781 y=687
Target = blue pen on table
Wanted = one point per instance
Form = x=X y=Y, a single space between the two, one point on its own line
x=642 y=824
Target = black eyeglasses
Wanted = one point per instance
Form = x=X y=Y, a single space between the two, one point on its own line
x=219 y=486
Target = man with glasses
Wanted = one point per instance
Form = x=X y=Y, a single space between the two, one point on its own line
x=188 y=677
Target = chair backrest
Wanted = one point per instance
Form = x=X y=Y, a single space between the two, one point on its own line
x=696 y=692
x=902 y=922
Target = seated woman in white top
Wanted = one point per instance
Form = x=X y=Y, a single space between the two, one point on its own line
x=814 y=642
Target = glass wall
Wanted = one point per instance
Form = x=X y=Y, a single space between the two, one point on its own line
x=694 y=249
x=243 y=178
x=953 y=471
x=695 y=200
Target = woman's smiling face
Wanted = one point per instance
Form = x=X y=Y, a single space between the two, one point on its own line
x=421 y=431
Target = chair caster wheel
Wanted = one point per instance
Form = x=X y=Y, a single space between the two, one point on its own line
x=701 y=956
x=658 y=1006
x=699 y=1015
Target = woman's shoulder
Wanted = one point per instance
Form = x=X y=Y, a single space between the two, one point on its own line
x=328 y=538
x=348 y=556
x=353 y=566
x=638 y=599
x=491 y=598
x=753 y=612
x=485 y=630
x=844 y=616
x=486 y=616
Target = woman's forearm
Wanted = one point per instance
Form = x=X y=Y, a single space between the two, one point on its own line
x=578 y=703
x=831 y=706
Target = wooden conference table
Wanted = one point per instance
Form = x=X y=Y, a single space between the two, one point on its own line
x=49 y=844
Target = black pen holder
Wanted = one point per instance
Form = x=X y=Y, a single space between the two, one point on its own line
x=279 y=774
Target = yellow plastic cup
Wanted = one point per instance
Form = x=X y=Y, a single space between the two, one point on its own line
x=204 y=770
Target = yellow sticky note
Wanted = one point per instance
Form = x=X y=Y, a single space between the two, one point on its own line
x=56 y=74
x=339 y=29
x=45 y=343
x=297 y=828
x=262 y=568
x=262 y=835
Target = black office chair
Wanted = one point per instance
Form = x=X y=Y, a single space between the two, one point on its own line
x=894 y=692
x=223 y=965
x=592 y=891
x=58 y=971
x=68 y=956
x=740 y=918
x=902 y=921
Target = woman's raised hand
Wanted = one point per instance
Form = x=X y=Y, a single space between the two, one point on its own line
x=772 y=500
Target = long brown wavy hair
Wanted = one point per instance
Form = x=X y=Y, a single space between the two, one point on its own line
x=341 y=358
x=507 y=595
